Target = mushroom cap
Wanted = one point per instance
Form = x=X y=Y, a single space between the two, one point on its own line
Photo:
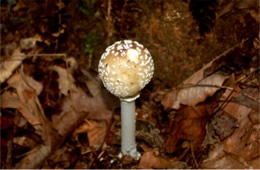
x=125 y=68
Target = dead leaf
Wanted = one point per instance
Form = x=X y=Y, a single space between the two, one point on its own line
x=27 y=88
x=24 y=141
x=96 y=132
x=24 y=100
x=147 y=131
x=11 y=64
x=189 y=124
x=218 y=159
x=244 y=142
x=29 y=43
x=235 y=110
x=254 y=117
x=152 y=160
x=220 y=126
x=19 y=5
x=34 y=157
x=9 y=48
x=194 y=94
x=65 y=80
x=256 y=163
x=63 y=157
x=79 y=104
x=74 y=106
x=21 y=83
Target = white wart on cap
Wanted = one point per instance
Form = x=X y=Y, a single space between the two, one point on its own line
x=125 y=68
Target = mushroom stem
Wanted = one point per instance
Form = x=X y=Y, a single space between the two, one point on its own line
x=128 y=115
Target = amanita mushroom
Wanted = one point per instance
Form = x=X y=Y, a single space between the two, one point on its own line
x=125 y=68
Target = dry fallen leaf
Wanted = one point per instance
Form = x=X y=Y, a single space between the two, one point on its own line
x=24 y=141
x=65 y=80
x=27 y=90
x=150 y=159
x=79 y=105
x=218 y=159
x=8 y=66
x=194 y=94
x=189 y=124
x=241 y=149
x=256 y=163
x=29 y=43
x=34 y=157
x=63 y=157
x=235 y=110
x=95 y=130
x=244 y=142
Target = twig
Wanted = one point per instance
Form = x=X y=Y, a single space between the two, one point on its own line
x=193 y=156
x=23 y=56
x=8 y=66
x=200 y=72
x=109 y=21
x=245 y=77
x=216 y=86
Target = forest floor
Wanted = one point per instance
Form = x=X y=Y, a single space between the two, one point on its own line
x=201 y=109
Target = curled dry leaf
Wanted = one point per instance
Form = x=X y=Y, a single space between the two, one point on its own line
x=194 y=94
x=65 y=80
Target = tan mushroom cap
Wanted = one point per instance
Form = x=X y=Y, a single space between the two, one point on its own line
x=125 y=68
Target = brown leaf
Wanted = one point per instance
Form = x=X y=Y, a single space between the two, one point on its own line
x=96 y=132
x=193 y=95
x=150 y=159
x=77 y=106
x=24 y=101
x=235 y=110
x=256 y=163
x=244 y=142
x=21 y=83
x=218 y=159
x=29 y=43
x=74 y=107
x=189 y=124
x=11 y=100
x=24 y=141
x=65 y=80
x=63 y=157
x=7 y=68
x=34 y=157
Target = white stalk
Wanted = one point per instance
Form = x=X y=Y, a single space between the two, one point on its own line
x=128 y=115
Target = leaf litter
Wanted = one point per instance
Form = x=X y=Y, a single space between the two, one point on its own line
x=211 y=120
x=197 y=123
